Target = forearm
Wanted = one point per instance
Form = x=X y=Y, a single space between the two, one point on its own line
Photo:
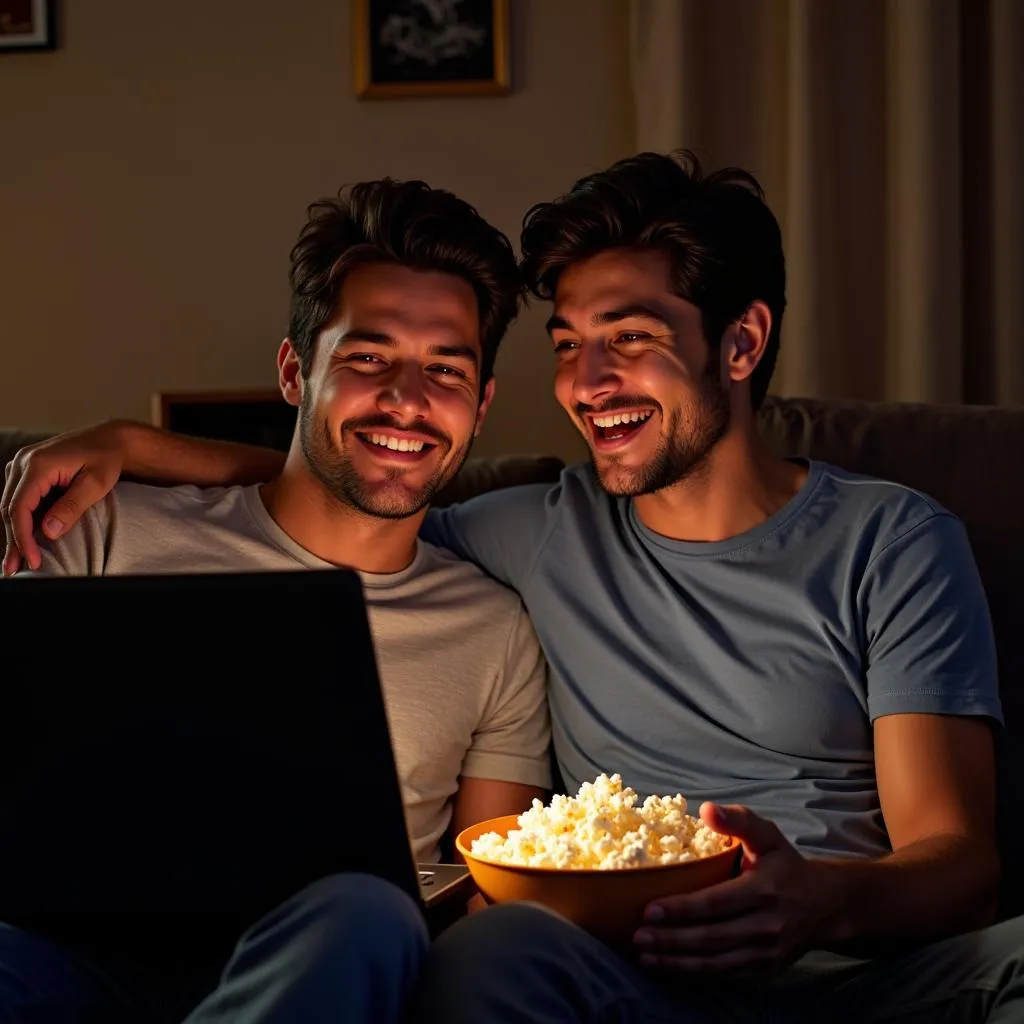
x=939 y=886
x=159 y=457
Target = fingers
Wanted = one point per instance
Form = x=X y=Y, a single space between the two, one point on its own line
x=12 y=557
x=22 y=496
x=26 y=486
x=85 y=491
x=12 y=560
x=758 y=835
x=743 y=895
x=87 y=463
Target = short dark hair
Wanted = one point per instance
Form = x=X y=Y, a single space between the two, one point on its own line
x=409 y=223
x=723 y=241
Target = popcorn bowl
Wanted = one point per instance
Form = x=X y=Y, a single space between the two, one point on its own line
x=608 y=903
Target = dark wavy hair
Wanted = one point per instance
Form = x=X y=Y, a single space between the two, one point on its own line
x=409 y=223
x=723 y=241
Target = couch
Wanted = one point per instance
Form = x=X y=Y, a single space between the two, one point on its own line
x=963 y=456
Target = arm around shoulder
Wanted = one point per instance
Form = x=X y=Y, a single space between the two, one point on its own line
x=83 y=549
x=86 y=464
x=157 y=456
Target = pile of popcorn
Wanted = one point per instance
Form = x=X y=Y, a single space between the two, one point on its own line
x=602 y=827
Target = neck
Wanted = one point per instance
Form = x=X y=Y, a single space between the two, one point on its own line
x=338 y=533
x=740 y=485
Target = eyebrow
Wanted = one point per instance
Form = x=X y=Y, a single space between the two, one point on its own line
x=611 y=316
x=450 y=351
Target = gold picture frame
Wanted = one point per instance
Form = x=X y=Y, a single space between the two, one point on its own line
x=414 y=48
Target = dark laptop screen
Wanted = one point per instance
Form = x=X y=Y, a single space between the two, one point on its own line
x=179 y=754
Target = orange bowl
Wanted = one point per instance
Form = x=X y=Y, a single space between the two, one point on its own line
x=608 y=903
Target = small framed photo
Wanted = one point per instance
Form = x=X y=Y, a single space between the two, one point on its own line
x=260 y=417
x=27 y=25
x=403 y=48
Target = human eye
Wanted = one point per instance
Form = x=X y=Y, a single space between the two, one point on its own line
x=631 y=337
x=566 y=347
x=363 y=360
x=446 y=371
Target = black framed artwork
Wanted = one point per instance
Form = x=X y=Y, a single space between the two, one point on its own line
x=403 y=48
x=27 y=25
x=251 y=417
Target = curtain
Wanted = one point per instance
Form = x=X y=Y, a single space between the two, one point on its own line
x=889 y=137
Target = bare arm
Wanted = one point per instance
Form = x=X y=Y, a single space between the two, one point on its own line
x=86 y=464
x=936 y=783
x=160 y=457
x=480 y=799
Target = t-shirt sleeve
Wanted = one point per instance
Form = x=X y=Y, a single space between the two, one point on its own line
x=930 y=646
x=512 y=742
x=501 y=531
x=82 y=550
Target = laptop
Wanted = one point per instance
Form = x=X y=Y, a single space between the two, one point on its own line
x=181 y=754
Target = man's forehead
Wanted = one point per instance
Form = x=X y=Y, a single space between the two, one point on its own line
x=404 y=326
x=407 y=294
x=408 y=315
x=615 y=304
x=614 y=280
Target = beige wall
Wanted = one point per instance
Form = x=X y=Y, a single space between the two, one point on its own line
x=155 y=170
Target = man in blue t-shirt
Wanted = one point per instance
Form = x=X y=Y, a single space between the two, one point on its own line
x=806 y=649
x=804 y=653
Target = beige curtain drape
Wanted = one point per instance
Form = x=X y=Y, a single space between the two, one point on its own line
x=889 y=136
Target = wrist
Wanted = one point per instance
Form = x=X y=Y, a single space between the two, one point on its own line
x=831 y=883
x=126 y=439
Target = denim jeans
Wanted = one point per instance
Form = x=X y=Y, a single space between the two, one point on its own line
x=345 y=950
x=522 y=964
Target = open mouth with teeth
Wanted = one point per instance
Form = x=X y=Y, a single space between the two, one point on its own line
x=614 y=429
x=404 y=449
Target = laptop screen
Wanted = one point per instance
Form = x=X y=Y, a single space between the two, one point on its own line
x=183 y=753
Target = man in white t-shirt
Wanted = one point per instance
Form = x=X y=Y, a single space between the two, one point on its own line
x=400 y=296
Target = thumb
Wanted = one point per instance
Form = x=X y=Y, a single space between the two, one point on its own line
x=85 y=491
x=758 y=835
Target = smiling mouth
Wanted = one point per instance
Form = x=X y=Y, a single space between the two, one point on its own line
x=395 y=449
x=615 y=430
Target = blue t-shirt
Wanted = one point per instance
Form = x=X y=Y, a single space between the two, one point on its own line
x=747 y=670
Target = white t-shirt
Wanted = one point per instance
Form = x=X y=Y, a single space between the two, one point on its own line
x=461 y=669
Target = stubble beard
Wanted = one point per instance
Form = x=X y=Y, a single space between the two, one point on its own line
x=683 y=448
x=390 y=498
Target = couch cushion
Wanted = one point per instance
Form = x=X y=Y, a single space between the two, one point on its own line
x=480 y=475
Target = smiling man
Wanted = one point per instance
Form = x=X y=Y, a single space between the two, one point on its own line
x=400 y=297
x=804 y=651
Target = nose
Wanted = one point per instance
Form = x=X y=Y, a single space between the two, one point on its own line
x=596 y=376
x=404 y=395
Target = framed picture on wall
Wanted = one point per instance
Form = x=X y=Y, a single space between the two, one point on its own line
x=27 y=25
x=250 y=417
x=403 y=48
